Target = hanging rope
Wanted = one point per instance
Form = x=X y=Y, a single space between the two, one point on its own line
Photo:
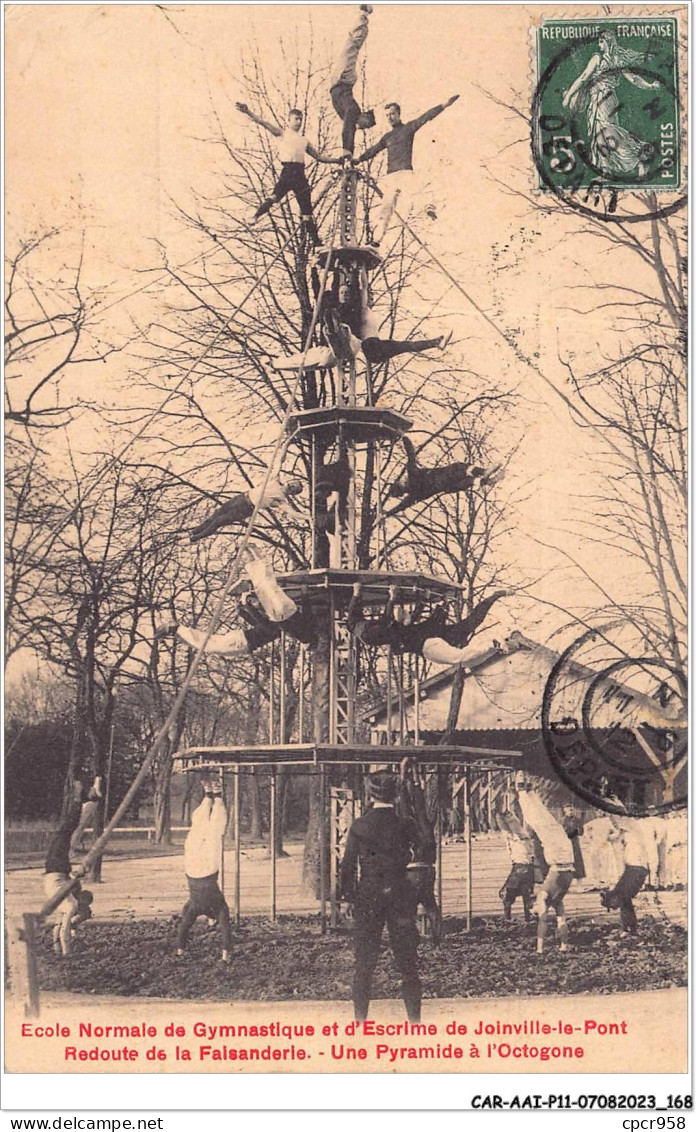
x=513 y=346
x=521 y=356
x=58 y=897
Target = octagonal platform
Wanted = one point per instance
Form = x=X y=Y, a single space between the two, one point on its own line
x=411 y=588
x=359 y=425
x=319 y=754
x=362 y=254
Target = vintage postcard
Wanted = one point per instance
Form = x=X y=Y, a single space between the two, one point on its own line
x=346 y=544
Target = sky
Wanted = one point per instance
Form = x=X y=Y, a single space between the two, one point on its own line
x=106 y=109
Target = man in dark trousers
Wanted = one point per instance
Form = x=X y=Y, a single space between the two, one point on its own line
x=520 y=879
x=421 y=868
x=422 y=483
x=431 y=638
x=382 y=844
x=629 y=835
x=292 y=147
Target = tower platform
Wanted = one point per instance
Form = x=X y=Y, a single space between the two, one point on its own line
x=375 y=586
x=319 y=754
x=350 y=254
x=360 y=425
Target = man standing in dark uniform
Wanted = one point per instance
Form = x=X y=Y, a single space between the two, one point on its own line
x=382 y=843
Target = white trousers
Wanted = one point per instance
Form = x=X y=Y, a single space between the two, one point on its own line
x=399 y=191
x=65 y=910
x=345 y=67
x=219 y=644
x=441 y=652
x=317 y=357
x=276 y=603
x=87 y=816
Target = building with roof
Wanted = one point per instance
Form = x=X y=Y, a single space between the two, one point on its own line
x=502 y=691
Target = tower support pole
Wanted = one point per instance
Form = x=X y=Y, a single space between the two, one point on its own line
x=221 y=775
x=467 y=838
x=237 y=845
x=438 y=835
x=323 y=848
x=272 y=840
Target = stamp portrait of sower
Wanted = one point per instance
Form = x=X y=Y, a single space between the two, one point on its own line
x=606 y=113
x=595 y=93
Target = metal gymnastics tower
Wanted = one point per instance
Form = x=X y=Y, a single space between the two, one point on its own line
x=327 y=731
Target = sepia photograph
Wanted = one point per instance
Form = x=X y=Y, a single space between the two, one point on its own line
x=345 y=542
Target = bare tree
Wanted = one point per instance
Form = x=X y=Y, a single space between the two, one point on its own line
x=32 y=507
x=51 y=336
x=628 y=389
x=81 y=610
x=118 y=556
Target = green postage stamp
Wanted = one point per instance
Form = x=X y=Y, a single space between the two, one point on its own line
x=605 y=113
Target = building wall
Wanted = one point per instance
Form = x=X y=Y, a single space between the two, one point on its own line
x=507 y=693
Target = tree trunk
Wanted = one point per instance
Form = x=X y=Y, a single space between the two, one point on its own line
x=95 y=873
x=71 y=773
x=281 y=795
x=187 y=800
x=77 y=749
x=282 y=778
x=162 y=802
x=162 y=799
x=311 y=865
x=253 y=790
x=321 y=672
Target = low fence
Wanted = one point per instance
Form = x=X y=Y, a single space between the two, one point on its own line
x=36 y=840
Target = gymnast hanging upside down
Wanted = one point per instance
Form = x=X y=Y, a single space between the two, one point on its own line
x=421 y=483
x=202 y=858
x=432 y=638
x=558 y=851
x=351 y=327
x=279 y=613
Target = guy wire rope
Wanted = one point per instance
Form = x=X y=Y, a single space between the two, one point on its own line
x=519 y=354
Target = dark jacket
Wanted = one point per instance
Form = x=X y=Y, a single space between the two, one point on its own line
x=381 y=843
x=399 y=142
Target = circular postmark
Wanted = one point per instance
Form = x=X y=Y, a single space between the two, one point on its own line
x=614 y=728
x=605 y=126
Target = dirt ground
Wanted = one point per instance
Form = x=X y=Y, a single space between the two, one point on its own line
x=291 y=960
